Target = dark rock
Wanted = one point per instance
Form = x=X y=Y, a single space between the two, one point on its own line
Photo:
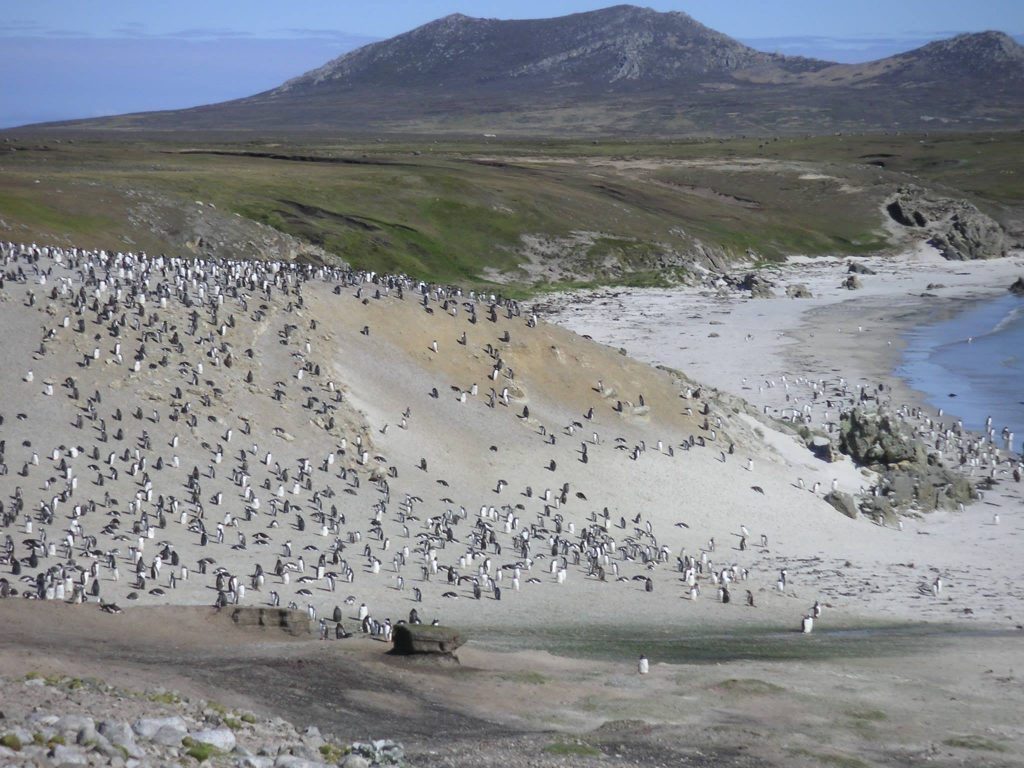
x=799 y=291
x=426 y=638
x=760 y=287
x=844 y=502
x=823 y=449
x=1018 y=287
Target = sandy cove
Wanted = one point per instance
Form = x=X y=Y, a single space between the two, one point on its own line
x=768 y=351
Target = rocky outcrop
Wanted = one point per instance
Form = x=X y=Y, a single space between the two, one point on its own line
x=1018 y=287
x=876 y=440
x=799 y=291
x=426 y=638
x=910 y=476
x=956 y=228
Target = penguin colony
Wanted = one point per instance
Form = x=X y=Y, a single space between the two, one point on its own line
x=190 y=490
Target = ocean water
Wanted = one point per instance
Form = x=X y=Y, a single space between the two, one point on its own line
x=978 y=356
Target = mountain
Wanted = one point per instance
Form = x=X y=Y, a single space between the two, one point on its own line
x=622 y=69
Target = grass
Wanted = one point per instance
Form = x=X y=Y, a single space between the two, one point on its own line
x=574 y=749
x=198 y=751
x=524 y=677
x=11 y=742
x=979 y=743
x=331 y=753
x=165 y=697
x=455 y=211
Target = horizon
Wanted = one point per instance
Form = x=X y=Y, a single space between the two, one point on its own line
x=195 y=54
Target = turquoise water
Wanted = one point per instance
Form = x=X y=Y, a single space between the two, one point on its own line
x=978 y=356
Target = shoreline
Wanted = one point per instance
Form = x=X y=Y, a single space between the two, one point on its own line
x=786 y=324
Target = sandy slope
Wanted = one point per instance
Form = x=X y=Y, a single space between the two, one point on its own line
x=770 y=350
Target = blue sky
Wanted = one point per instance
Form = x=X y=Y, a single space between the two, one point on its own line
x=80 y=58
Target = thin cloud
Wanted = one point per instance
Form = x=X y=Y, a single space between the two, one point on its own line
x=205 y=32
x=324 y=34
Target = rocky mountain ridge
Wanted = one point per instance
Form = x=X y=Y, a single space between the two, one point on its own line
x=618 y=70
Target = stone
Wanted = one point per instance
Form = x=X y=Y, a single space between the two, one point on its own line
x=823 y=449
x=117 y=733
x=219 y=738
x=81 y=726
x=146 y=727
x=293 y=761
x=760 y=287
x=354 y=760
x=799 y=291
x=852 y=283
x=255 y=761
x=169 y=736
x=844 y=502
x=62 y=755
x=425 y=638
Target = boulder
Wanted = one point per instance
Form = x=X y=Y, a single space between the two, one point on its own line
x=799 y=291
x=1018 y=287
x=760 y=287
x=844 y=502
x=147 y=727
x=823 y=449
x=425 y=638
x=956 y=228
x=218 y=738
x=62 y=755
x=169 y=736
x=292 y=761
x=118 y=734
x=875 y=439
